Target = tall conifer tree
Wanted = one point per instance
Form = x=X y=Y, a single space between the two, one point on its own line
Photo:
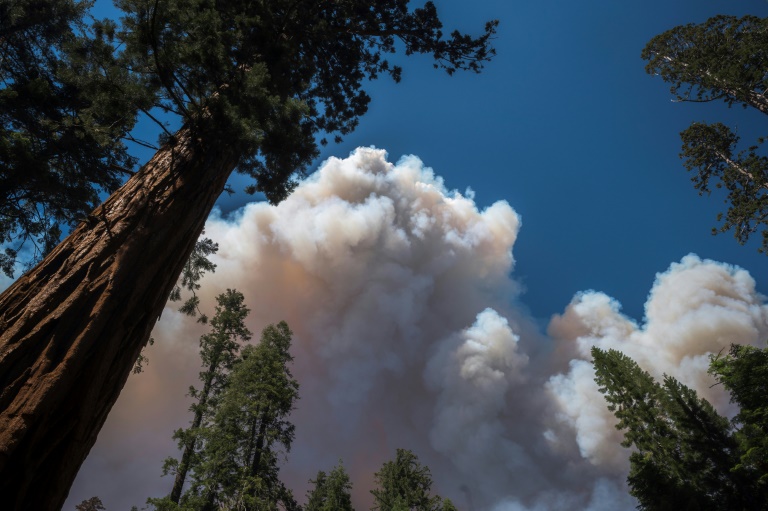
x=218 y=350
x=330 y=492
x=684 y=451
x=249 y=431
x=403 y=484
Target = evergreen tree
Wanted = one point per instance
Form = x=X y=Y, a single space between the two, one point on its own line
x=448 y=505
x=404 y=485
x=253 y=83
x=218 y=350
x=723 y=59
x=250 y=430
x=684 y=451
x=92 y=504
x=744 y=372
x=330 y=491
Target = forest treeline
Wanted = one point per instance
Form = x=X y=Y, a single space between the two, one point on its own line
x=684 y=454
x=240 y=432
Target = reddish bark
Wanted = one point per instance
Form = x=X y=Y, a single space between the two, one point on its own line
x=72 y=327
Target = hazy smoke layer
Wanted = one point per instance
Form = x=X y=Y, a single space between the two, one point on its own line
x=407 y=335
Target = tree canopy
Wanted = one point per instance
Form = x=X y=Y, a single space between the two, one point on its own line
x=685 y=453
x=248 y=431
x=723 y=59
x=330 y=492
x=92 y=504
x=404 y=484
x=744 y=373
x=66 y=107
x=268 y=78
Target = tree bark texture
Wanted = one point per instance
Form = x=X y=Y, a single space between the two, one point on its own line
x=72 y=327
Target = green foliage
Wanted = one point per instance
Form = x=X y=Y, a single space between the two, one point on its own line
x=267 y=77
x=404 y=485
x=194 y=270
x=684 y=451
x=65 y=106
x=710 y=152
x=92 y=504
x=249 y=431
x=744 y=372
x=330 y=491
x=725 y=58
x=218 y=350
x=142 y=360
x=191 y=275
x=448 y=505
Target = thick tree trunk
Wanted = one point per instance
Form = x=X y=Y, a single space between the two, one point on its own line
x=72 y=327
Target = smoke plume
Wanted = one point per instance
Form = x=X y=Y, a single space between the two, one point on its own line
x=408 y=333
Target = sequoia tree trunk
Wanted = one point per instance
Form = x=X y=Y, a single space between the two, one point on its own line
x=72 y=327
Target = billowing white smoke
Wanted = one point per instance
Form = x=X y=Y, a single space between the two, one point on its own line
x=473 y=373
x=406 y=335
x=697 y=308
x=383 y=272
x=372 y=263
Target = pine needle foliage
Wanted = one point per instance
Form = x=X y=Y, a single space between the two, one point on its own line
x=270 y=78
x=744 y=373
x=250 y=432
x=723 y=59
x=66 y=106
x=403 y=484
x=218 y=352
x=331 y=491
x=683 y=452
